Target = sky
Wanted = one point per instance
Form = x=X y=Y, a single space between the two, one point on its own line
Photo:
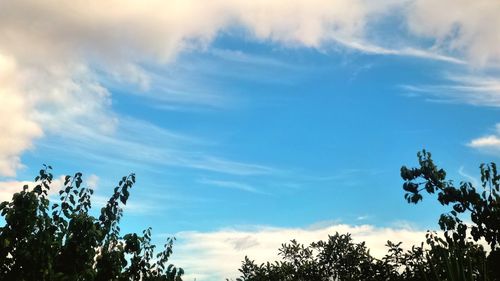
x=250 y=123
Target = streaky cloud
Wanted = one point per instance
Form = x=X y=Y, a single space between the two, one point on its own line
x=139 y=143
x=231 y=185
x=477 y=90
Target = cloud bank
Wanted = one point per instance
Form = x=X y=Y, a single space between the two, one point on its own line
x=217 y=255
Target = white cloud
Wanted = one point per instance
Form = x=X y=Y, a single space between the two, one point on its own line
x=8 y=188
x=486 y=142
x=489 y=143
x=57 y=53
x=135 y=206
x=58 y=99
x=16 y=125
x=132 y=31
x=459 y=26
x=217 y=255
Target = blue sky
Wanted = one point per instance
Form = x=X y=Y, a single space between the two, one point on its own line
x=246 y=120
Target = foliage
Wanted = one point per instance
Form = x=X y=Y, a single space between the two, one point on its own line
x=454 y=258
x=339 y=258
x=62 y=241
x=484 y=207
x=482 y=204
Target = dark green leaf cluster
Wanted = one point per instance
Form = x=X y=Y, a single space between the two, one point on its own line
x=62 y=241
x=481 y=203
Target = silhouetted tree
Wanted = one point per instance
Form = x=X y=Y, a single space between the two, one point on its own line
x=481 y=204
x=62 y=241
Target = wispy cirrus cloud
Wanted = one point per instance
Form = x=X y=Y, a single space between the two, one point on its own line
x=477 y=90
x=159 y=148
x=472 y=179
x=370 y=48
x=230 y=185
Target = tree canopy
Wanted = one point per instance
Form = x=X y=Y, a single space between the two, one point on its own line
x=58 y=240
x=482 y=204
